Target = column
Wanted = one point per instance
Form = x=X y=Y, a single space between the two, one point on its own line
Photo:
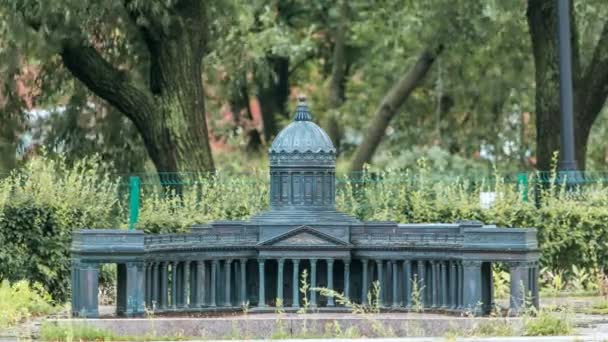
x=395 y=284
x=132 y=284
x=407 y=284
x=194 y=287
x=460 y=270
x=380 y=298
x=200 y=283
x=330 y=280
x=434 y=283
x=163 y=284
x=154 y=286
x=243 y=282
x=88 y=285
x=453 y=285
x=174 y=284
x=156 y=276
x=347 y=278
x=134 y=287
x=472 y=286
x=519 y=285
x=296 y=284
x=185 y=283
x=148 y=281
x=365 y=282
x=121 y=289
x=215 y=264
x=280 y=264
x=313 y=282
x=227 y=274
x=422 y=288
x=444 y=285
x=261 y=286
x=534 y=285
x=179 y=281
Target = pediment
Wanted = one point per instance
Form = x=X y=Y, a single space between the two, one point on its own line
x=304 y=236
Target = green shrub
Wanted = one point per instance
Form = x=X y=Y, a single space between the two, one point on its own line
x=203 y=199
x=40 y=206
x=547 y=323
x=20 y=301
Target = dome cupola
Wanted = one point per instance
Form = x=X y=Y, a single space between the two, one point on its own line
x=302 y=164
x=302 y=141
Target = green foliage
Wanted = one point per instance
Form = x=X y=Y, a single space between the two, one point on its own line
x=417 y=295
x=437 y=159
x=501 y=281
x=494 y=327
x=75 y=332
x=21 y=301
x=546 y=323
x=599 y=308
x=40 y=206
x=204 y=199
x=85 y=332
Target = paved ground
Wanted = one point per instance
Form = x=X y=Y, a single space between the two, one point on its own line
x=231 y=326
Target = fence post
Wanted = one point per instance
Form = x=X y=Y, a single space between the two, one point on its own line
x=134 y=191
x=522 y=181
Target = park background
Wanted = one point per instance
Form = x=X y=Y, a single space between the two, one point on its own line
x=432 y=105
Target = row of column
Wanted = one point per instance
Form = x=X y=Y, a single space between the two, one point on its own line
x=192 y=283
x=430 y=284
x=434 y=284
x=296 y=280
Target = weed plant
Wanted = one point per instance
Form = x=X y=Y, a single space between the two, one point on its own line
x=21 y=301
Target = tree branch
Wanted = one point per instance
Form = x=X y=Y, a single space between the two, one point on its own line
x=107 y=82
x=336 y=80
x=389 y=107
x=594 y=84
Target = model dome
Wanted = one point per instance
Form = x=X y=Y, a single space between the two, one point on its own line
x=302 y=135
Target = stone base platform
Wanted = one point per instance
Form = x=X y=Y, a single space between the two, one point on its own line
x=289 y=325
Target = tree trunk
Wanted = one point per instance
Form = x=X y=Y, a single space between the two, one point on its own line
x=389 y=107
x=337 y=79
x=273 y=94
x=542 y=22
x=169 y=112
x=179 y=128
x=591 y=95
x=590 y=85
x=239 y=106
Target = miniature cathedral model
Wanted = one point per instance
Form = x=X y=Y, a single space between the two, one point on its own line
x=222 y=265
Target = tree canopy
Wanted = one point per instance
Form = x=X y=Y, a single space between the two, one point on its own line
x=176 y=85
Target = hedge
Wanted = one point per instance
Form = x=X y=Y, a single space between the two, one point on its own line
x=39 y=207
x=44 y=202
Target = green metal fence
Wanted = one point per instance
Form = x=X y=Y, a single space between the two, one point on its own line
x=174 y=182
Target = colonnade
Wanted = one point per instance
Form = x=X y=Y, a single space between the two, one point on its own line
x=182 y=284
x=400 y=283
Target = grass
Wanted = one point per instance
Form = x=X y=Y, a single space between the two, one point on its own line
x=598 y=308
x=85 y=332
x=21 y=301
x=496 y=327
x=547 y=323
